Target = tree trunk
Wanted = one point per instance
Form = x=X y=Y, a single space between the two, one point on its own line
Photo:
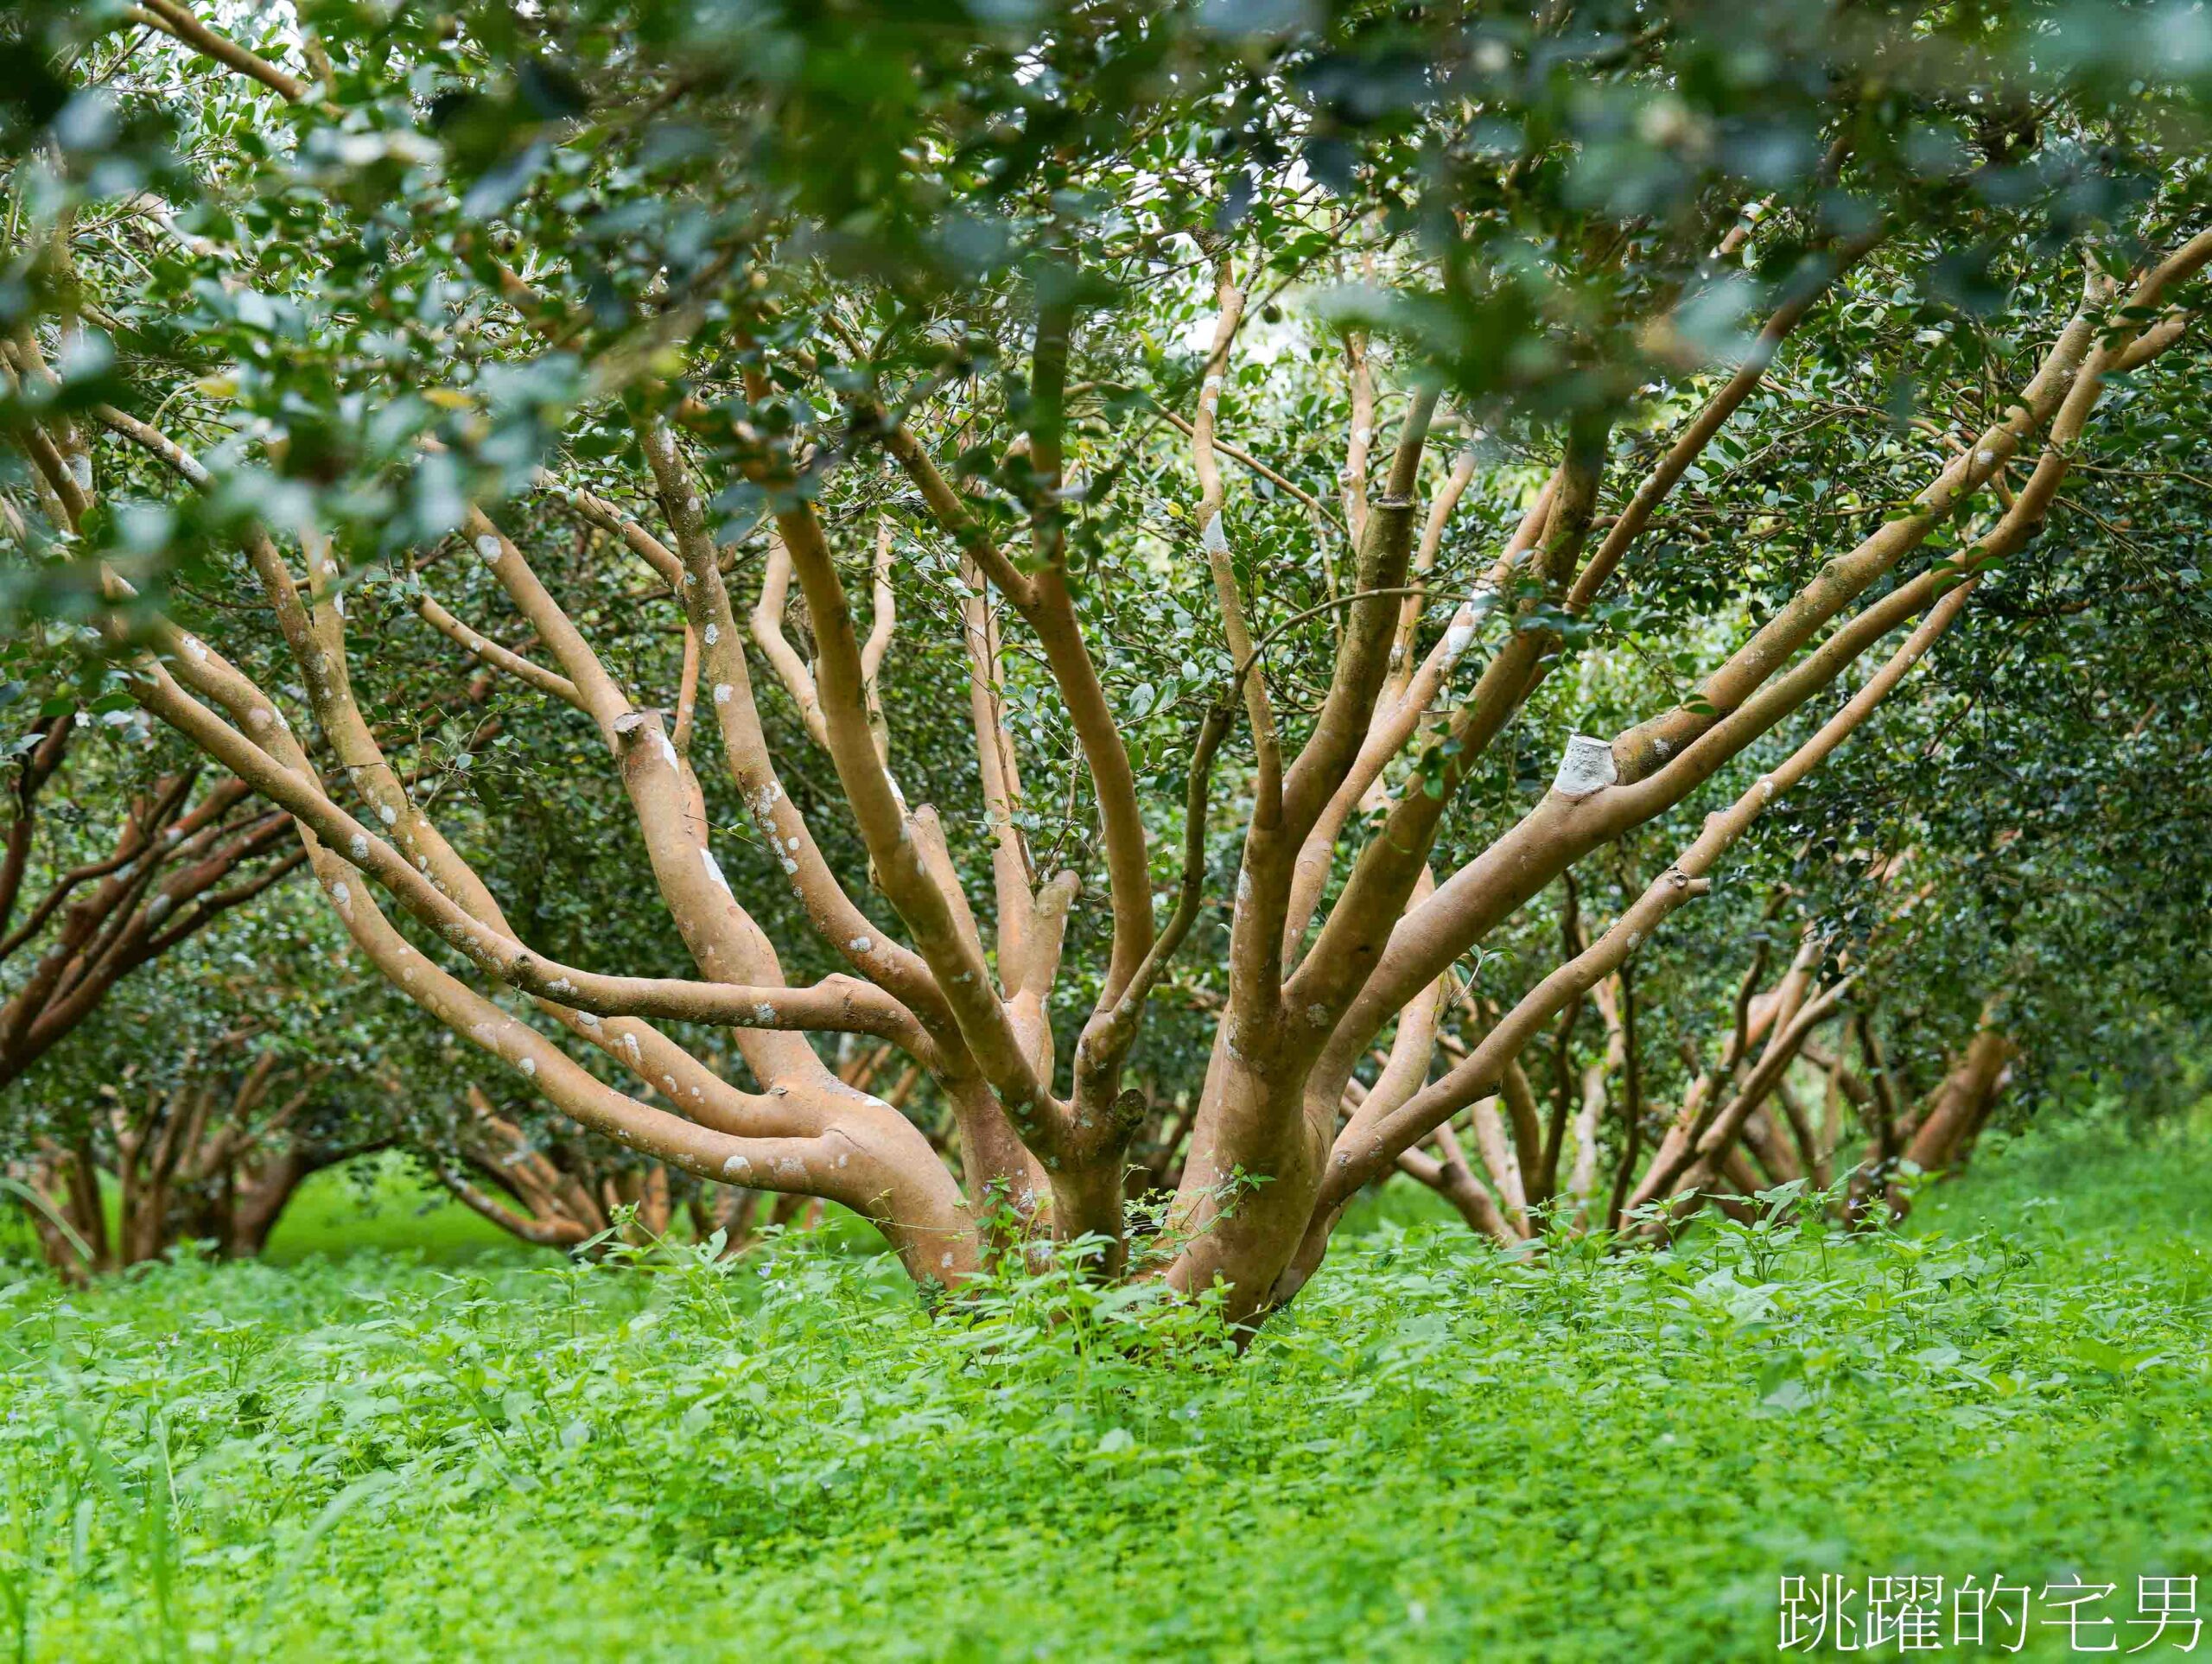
x=1962 y=1104
x=257 y=1195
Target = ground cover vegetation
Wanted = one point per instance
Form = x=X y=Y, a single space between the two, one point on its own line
x=1446 y=1451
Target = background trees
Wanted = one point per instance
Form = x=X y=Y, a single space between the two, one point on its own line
x=1188 y=480
x=131 y=861
x=200 y=1098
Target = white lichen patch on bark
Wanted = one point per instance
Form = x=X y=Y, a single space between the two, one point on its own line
x=714 y=868
x=1585 y=766
x=1461 y=632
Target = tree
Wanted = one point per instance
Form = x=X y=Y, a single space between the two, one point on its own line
x=894 y=298
x=552 y=1188
x=190 y=1107
x=181 y=856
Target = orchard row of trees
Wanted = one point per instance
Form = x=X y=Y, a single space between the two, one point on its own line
x=1107 y=625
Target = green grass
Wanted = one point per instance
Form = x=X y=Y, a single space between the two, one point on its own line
x=373 y=1204
x=383 y=1204
x=1439 y=1453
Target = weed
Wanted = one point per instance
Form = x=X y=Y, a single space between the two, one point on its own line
x=1439 y=1451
